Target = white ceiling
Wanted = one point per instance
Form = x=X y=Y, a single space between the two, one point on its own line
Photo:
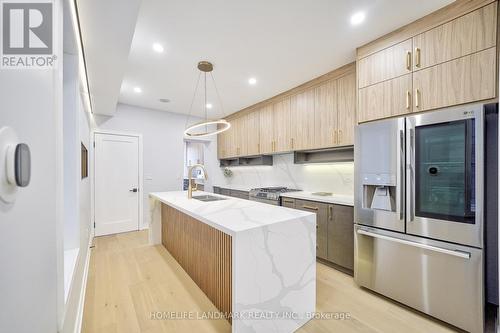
x=107 y=28
x=282 y=43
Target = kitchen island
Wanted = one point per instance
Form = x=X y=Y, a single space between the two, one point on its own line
x=255 y=262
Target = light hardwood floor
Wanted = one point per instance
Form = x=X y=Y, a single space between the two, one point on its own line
x=128 y=279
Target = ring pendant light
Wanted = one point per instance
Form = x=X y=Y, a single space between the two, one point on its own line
x=219 y=125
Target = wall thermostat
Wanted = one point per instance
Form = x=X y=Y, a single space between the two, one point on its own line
x=15 y=165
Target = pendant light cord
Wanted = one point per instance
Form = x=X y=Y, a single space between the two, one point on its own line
x=218 y=96
x=192 y=100
x=206 y=112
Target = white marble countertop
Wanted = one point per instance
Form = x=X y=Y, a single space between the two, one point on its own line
x=236 y=187
x=334 y=198
x=232 y=215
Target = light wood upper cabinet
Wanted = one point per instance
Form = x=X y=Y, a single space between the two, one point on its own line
x=302 y=120
x=240 y=141
x=252 y=120
x=346 y=109
x=266 y=124
x=465 y=35
x=321 y=114
x=281 y=121
x=226 y=143
x=221 y=145
x=325 y=112
x=389 y=63
x=467 y=79
x=453 y=62
x=385 y=99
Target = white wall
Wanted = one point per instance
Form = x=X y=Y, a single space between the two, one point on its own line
x=71 y=150
x=31 y=103
x=163 y=146
x=77 y=201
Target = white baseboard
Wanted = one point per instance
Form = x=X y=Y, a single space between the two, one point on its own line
x=81 y=301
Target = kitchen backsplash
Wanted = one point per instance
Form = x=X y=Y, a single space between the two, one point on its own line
x=337 y=178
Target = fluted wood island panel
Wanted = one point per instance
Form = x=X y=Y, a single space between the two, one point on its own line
x=203 y=252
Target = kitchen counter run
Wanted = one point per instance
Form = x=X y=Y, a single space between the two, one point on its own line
x=333 y=199
x=232 y=215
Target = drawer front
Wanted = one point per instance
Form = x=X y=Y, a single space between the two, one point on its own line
x=288 y=202
x=239 y=194
x=321 y=211
x=216 y=190
x=430 y=276
x=225 y=191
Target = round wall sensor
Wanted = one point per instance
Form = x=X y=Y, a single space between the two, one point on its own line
x=15 y=165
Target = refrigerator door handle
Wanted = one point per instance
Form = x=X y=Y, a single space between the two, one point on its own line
x=456 y=253
x=412 y=175
x=402 y=174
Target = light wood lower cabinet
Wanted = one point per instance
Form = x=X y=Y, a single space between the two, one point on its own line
x=385 y=99
x=335 y=230
x=464 y=80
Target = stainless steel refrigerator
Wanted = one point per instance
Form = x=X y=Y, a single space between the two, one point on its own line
x=419 y=212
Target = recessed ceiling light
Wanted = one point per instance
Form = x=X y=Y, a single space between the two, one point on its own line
x=252 y=81
x=137 y=90
x=209 y=106
x=158 y=47
x=358 y=18
x=164 y=100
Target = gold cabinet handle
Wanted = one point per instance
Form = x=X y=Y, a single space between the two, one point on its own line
x=408 y=98
x=417 y=98
x=288 y=201
x=417 y=57
x=310 y=207
x=258 y=147
x=330 y=212
x=408 y=60
x=333 y=136
x=339 y=138
x=291 y=142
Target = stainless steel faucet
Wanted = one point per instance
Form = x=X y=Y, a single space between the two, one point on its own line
x=191 y=189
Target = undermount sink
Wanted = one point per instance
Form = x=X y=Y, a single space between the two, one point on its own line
x=206 y=198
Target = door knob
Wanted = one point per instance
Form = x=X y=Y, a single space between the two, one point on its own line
x=133 y=190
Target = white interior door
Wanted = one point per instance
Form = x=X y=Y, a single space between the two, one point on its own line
x=117 y=192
